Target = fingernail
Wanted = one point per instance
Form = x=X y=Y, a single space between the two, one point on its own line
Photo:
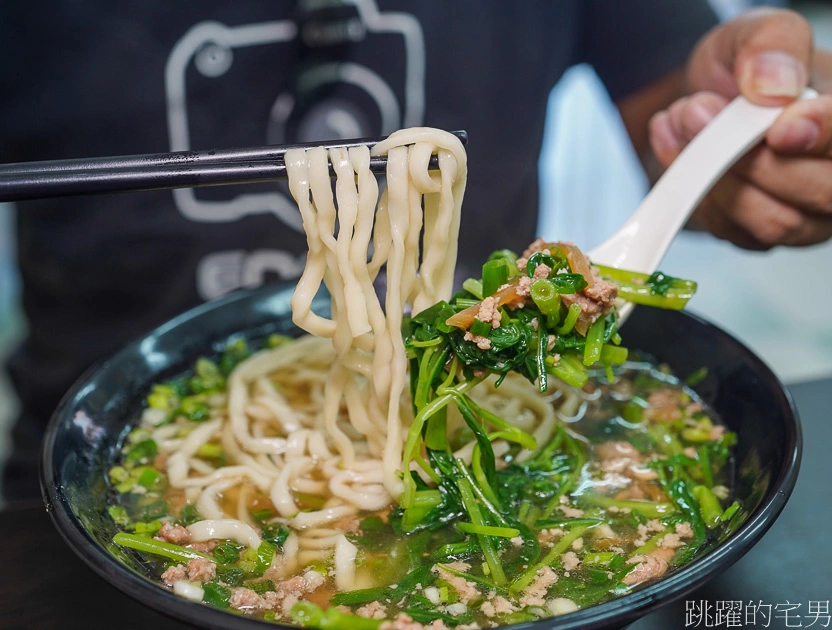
x=776 y=74
x=664 y=139
x=799 y=134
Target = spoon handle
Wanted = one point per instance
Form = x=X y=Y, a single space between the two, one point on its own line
x=643 y=240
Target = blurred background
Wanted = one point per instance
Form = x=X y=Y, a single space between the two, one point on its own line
x=591 y=182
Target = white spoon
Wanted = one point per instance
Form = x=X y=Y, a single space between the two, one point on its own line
x=641 y=243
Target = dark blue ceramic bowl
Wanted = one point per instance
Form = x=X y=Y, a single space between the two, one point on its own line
x=82 y=442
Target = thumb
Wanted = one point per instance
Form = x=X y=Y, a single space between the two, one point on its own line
x=766 y=52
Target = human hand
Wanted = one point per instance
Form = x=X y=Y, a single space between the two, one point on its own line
x=781 y=192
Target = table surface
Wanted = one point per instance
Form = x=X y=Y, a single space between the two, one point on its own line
x=44 y=585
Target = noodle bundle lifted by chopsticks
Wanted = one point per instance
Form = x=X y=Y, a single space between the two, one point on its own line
x=362 y=335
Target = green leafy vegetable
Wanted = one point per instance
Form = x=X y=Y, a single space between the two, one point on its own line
x=216 y=595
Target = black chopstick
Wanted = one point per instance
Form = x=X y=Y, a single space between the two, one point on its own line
x=159 y=171
x=42 y=185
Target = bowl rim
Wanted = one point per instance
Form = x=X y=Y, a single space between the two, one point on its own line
x=624 y=609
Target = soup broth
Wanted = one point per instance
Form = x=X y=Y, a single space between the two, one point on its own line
x=632 y=482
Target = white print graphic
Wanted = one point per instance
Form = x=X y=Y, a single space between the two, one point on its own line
x=211 y=45
x=222 y=272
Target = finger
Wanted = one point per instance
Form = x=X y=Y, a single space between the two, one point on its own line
x=669 y=134
x=675 y=113
x=666 y=146
x=804 y=127
x=696 y=113
x=766 y=219
x=712 y=217
x=804 y=182
x=763 y=54
x=673 y=129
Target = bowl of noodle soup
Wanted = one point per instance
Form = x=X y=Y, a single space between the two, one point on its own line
x=87 y=431
x=548 y=471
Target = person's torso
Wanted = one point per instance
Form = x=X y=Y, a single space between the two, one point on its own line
x=99 y=80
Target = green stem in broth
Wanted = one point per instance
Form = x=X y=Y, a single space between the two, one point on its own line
x=560 y=547
x=157 y=547
x=649 y=509
x=491 y=557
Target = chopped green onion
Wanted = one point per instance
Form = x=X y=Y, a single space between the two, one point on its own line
x=569 y=369
x=730 y=511
x=507 y=254
x=206 y=368
x=151 y=479
x=248 y=562
x=142 y=452
x=480 y=328
x=474 y=287
x=234 y=354
x=570 y=321
x=696 y=435
x=614 y=355
x=118 y=474
x=265 y=554
x=594 y=342
x=147 y=529
x=708 y=505
x=209 y=450
x=119 y=515
x=194 y=409
x=495 y=274
x=160 y=397
x=545 y=296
